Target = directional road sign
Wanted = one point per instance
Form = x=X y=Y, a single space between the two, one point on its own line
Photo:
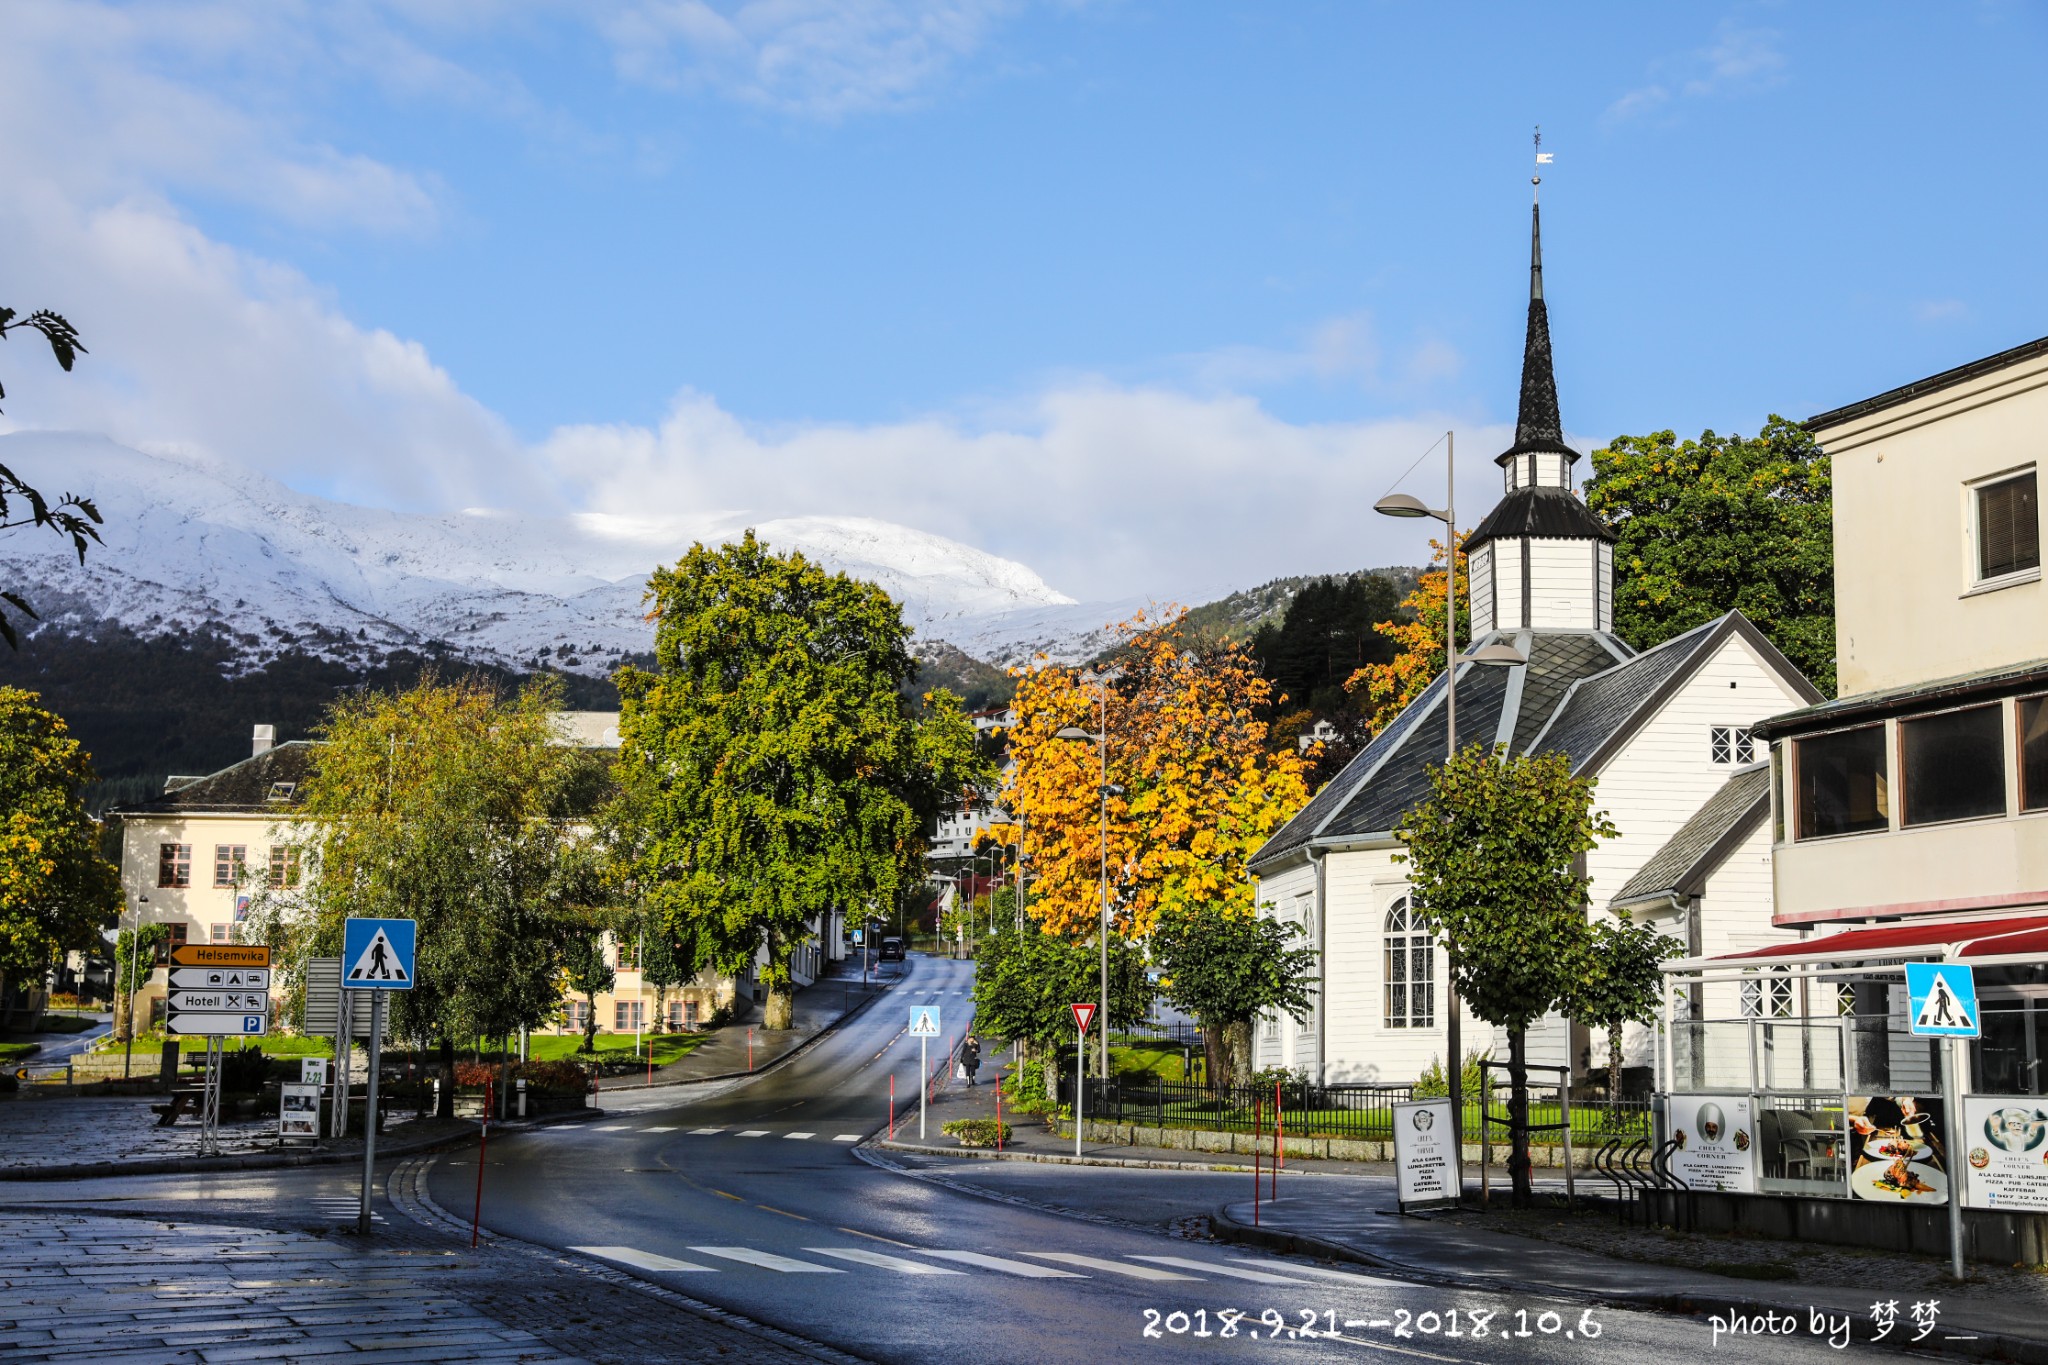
x=220 y=955
x=1084 y=1015
x=220 y=978
x=179 y=1022
x=924 y=1021
x=377 y=954
x=1942 y=999
x=233 y=1002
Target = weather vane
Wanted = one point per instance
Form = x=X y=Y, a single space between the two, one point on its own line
x=1543 y=158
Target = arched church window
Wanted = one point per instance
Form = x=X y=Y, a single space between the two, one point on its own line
x=1411 y=969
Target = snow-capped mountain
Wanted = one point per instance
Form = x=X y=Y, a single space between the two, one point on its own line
x=190 y=541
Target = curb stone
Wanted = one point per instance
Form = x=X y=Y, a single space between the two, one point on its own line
x=1060 y=1159
x=1986 y=1346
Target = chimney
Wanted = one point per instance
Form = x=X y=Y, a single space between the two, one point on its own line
x=265 y=740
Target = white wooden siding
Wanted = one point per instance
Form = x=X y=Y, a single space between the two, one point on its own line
x=1605 y=580
x=1507 y=585
x=1481 y=567
x=1561 y=584
x=1284 y=895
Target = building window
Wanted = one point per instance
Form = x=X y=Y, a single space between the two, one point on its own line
x=626 y=1016
x=1731 y=744
x=1953 y=765
x=1767 y=997
x=1411 y=969
x=282 y=791
x=1843 y=786
x=220 y=932
x=227 y=863
x=629 y=955
x=2008 y=527
x=576 y=1014
x=284 y=866
x=175 y=932
x=174 y=864
x=2033 y=719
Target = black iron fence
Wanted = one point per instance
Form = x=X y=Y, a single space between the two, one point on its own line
x=1358 y=1112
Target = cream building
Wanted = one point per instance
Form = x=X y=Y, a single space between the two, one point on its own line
x=195 y=857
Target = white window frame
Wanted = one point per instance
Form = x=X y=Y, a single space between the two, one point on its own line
x=1405 y=944
x=1973 y=505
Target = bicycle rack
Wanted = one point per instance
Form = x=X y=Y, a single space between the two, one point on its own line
x=1683 y=1213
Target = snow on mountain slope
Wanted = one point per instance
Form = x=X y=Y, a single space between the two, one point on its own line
x=191 y=541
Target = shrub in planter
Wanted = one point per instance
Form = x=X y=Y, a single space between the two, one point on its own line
x=977 y=1132
x=473 y=1075
x=570 y=1076
x=243 y=1070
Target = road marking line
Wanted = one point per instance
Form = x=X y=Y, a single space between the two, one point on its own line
x=611 y=1128
x=1136 y=1272
x=768 y=1260
x=876 y=1236
x=1346 y=1276
x=797 y=1137
x=644 y=1260
x=755 y=1132
x=847 y=1137
x=886 y=1262
x=705 y=1132
x=1028 y=1271
x=1187 y=1263
x=723 y=1195
x=770 y=1208
x=670 y=1129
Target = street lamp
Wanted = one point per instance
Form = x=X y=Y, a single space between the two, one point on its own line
x=1103 y=792
x=1498 y=655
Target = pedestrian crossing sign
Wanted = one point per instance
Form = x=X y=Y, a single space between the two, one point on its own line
x=1942 y=999
x=924 y=1021
x=378 y=954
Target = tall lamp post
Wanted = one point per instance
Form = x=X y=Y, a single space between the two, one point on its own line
x=1405 y=505
x=1103 y=792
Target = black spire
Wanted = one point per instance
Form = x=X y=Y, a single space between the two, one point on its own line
x=1537 y=425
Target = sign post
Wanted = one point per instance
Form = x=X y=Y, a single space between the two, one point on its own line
x=924 y=1026
x=1084 y=1014
x=376 y=955
x=218 y=990
x=1941 y=1001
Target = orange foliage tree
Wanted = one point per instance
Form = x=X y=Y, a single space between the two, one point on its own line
x=1195 y=790
x=1384 y=690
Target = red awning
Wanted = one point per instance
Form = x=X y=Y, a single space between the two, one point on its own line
x=2003 y=936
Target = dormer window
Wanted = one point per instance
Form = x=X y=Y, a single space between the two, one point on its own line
x=282 y=791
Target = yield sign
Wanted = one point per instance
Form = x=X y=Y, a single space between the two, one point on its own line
x=1084 y=1015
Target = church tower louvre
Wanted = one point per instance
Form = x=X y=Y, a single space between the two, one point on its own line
x=1540 y=560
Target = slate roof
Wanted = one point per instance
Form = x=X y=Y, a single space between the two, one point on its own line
x=1596 y=708
x=1541 y=513
x=1555 y=663
x=1689 y=857
x=241 y=788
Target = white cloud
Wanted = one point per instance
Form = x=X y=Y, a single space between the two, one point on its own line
x=1739 y=61
x=1343 y=351
x=815 y=57
x=1932 y=311
x=1106 y=491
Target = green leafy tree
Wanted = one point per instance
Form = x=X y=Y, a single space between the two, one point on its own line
x=1026 y=985
x=1620 y=984
x=20 y=504
x=586 y=971
x=771 y=759
x=1226 y=969
x=451 y=805
x=1494 y=853
x=135 y=953
x=56 y=892
x=1718 y=524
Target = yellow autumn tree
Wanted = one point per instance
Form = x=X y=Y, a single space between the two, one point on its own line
x=1193 y=790
x=1384 y=690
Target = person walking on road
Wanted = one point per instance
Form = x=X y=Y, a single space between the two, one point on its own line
x=970 y=1057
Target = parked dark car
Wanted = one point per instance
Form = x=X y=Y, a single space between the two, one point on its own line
x=892 y=950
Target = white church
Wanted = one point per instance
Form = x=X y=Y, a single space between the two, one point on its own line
x=1665 y=731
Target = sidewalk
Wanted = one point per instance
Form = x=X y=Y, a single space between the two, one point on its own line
x=820 y=1006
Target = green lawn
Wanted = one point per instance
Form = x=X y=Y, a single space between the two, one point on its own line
x=1146 y=1057
x=613 y=1047
x=273 y=1045
x=14 y=1052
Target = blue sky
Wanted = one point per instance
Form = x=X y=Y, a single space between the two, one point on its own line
x=1152 y=297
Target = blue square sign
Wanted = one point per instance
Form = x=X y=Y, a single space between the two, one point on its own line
x=1941 y=1000
x=377 y=954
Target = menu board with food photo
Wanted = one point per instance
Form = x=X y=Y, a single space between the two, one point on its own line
x=1716 y=1137
x=1895 y=1150
x=2005 y=1139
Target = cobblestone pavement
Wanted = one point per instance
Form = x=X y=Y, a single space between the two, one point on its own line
x=80 y=1286
x=75 y=1130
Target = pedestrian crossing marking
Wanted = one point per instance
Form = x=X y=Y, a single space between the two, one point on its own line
x=882 y=1259
x=705 y=1132
x=1187 y=1263
x=669 y=1129
x=1008 y=1267
x=847 y=1137
x=612 y=1128
x=768 y=1260
x=644 y=1260
x=797 y=1137
x=1346 y=1276
x=1136 y=1272
x=755 y=1132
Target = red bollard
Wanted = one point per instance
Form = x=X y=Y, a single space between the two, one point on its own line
x=476 y=1217
x=1279 y=1138
x=892 y=1106
x=999 y=1116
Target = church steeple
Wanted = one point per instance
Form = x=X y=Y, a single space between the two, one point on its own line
x=1540 y=560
